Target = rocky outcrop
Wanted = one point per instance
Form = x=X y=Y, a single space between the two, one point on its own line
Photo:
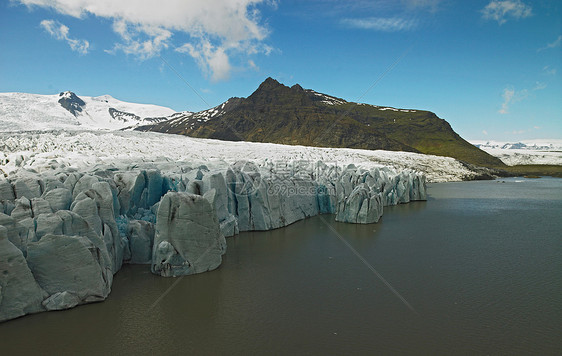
x=71 y=102
x=63 y=234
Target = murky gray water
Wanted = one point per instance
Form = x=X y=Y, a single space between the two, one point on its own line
x=480 y=263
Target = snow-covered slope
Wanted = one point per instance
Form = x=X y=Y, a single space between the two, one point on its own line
x=190 y=119
x=524 y=152
x=87 y=150
x=39 y=131
x=326 y=99
x=24 y=112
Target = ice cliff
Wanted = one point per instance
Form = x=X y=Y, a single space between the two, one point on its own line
x=64 y=233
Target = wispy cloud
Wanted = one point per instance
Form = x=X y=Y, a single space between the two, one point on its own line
x=393 y=24
x=557 y=42
x=501 y=10
x=339 y=7
x=378 y=15
x=549 y=71
x=510 y=96
x=507 y=98
x=523 y=131
x=253 y=65
x=539 y=86
x=143 y=41
x=60 y=32
x=217 y=30
x=431 y=5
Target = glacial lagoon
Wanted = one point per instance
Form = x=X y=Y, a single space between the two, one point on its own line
x=480 y=263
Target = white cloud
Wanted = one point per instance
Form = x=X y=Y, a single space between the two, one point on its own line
x=557 y=42
x=510 y=96
x=60 y=32
x=142 y=41
x=501 y=10
x=212 y=60
x=507 y=97
x=392 y=24
x=485 y=132
x=216 y=30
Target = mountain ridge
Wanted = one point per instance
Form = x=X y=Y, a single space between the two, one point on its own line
x=273 y=113
x=66 y=110
x=277 y=113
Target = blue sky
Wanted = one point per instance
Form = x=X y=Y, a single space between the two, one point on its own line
x=491 y=68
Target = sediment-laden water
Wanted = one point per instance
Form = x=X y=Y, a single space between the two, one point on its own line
x=479 y=263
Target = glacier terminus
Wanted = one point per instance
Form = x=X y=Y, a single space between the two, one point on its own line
x=66 y=230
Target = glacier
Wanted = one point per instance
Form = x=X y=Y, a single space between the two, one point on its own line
x=23 y=111
x=525 y=152
x=65 y=232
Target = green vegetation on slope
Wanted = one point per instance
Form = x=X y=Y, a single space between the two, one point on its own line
x=278 y=114
x=535 y=170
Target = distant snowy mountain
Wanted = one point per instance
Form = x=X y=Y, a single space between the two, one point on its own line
x=524 y=152
x=25 y=112
x=535 y=145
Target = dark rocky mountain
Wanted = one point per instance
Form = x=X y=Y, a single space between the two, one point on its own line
x=292 y=115
x=71 y=102
x=122 y=115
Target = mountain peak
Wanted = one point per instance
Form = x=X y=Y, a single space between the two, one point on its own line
x=269 y=84
x=278 y=113
x=71 y=102
x=272 y=92
x=68 y=95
